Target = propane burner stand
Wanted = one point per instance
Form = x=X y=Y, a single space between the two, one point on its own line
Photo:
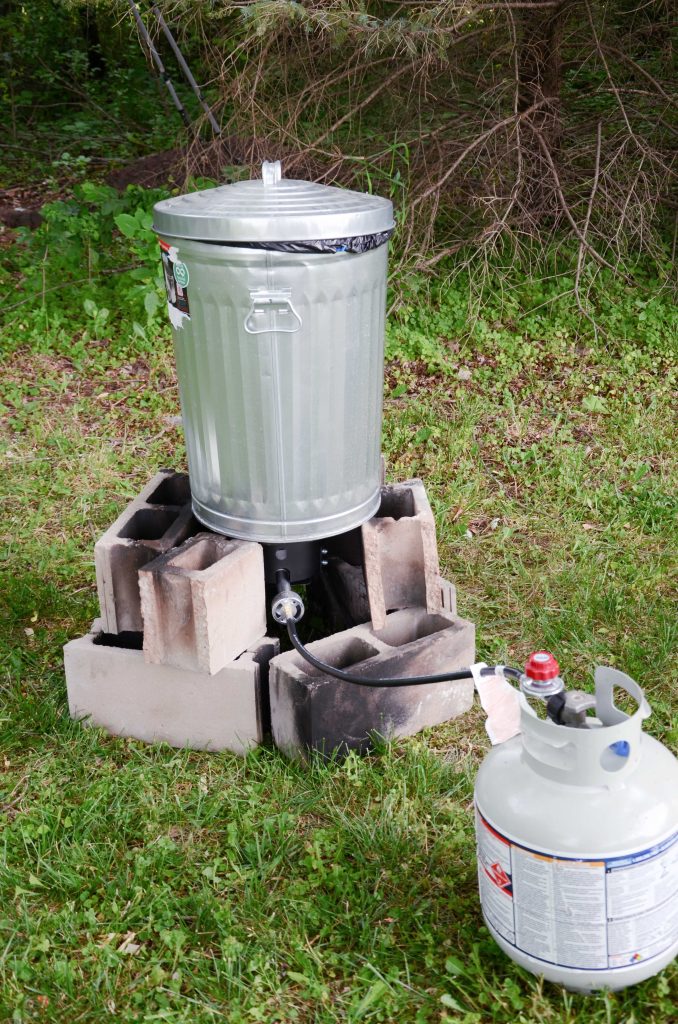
x=300 y=561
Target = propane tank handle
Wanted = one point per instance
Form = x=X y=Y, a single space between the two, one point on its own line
x=601 y=755
x=606 y=679
x=271 y=172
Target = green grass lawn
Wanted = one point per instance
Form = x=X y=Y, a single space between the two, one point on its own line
x=147 y=884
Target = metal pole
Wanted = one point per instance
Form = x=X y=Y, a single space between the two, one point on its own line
x=159 y=64
x=186 y=70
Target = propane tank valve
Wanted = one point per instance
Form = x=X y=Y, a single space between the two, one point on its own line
x=541 y=677
x=570 y=707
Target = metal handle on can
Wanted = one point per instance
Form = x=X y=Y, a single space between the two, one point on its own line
x=272 y=312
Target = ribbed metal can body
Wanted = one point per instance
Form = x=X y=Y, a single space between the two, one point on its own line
x=280 y=368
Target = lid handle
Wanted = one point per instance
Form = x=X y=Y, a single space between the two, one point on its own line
x=271 y=172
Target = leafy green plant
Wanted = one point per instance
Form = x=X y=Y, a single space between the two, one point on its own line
x=77 y=92
x=147 y=276
x=440 y=322
x=93 y=262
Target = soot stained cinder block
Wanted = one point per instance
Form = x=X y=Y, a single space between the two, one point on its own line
x=314 y=711
x=401 y=553
x=346 y=599
x=157 y=520
x=111 y=686
x=203 y=603
x=344 y=594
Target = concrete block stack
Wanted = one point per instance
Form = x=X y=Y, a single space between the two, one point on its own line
x=203 y=603
x=113 y=687
x=180 y=652
x=157 y=520
x=401 y=554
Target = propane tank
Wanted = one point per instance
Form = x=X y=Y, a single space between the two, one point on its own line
x=577 y=837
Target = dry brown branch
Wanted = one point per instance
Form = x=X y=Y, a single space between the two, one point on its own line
x=566 y=209
x=481 y=121
x=585 y=228
x=613 y=86
x=641 y=71
x=483 y=137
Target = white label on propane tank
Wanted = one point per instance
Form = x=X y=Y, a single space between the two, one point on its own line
x=494 y=876
x=642 y=903
x=579 y=912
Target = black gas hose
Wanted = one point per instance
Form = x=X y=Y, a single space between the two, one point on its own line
x=348 y=677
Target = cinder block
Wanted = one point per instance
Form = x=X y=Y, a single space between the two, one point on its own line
x=113 y=687
x=345 y=593
x=156 y=521
x=314 y=711
x=203 y=603
x=448 y=596
x=401 y=553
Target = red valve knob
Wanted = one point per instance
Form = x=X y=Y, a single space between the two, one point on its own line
x=541 y=666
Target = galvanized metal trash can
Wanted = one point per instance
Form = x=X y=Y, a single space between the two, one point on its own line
x=277 y=293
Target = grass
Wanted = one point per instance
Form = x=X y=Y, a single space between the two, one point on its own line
x=147 y=884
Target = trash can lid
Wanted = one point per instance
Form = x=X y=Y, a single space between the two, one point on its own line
x=272 y=209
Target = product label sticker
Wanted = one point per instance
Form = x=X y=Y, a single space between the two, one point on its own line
x=181 y=274
x=579 y=912
x=176 y=284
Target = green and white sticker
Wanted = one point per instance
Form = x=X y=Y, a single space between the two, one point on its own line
x=181 y=274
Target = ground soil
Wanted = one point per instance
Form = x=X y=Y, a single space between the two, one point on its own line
x=20 y=205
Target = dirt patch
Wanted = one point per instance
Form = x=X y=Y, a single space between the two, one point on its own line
x=53 y=385
x=20 y=205
x=167 y=168
x=213 y=159
x=20 y=217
